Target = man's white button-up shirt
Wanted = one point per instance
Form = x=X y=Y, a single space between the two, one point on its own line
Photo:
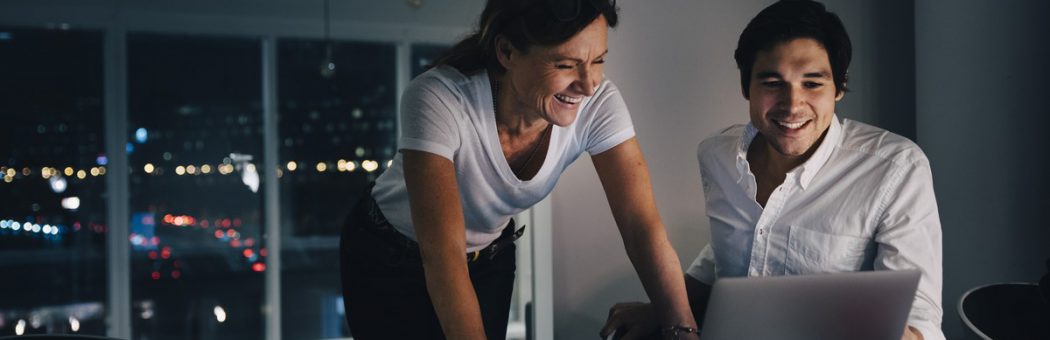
x=863 y=201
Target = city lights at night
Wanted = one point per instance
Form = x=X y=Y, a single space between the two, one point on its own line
x=193 y=156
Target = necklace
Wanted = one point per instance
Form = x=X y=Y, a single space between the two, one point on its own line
x=536 y=147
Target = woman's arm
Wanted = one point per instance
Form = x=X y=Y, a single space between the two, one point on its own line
x=625 y=177
x=440 y=230
x=631 y=320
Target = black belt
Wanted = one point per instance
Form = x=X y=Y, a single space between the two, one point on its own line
x=505 y=239
x=381 y=227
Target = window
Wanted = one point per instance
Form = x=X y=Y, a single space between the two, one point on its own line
x=194 y=143
x=52 y=170
x=337 y=133
x=424 y=56
x=196 y=232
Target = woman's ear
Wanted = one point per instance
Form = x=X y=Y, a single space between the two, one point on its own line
x=505 y=52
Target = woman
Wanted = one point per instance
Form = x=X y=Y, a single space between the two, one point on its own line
x=485 y=135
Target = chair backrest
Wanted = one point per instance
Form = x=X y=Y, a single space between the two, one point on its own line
x=1006 y=311
x=1044 y=283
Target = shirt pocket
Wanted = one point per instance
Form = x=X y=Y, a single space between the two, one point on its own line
x=814 y=252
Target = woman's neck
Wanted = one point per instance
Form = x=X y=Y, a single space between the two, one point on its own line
x=513 y=116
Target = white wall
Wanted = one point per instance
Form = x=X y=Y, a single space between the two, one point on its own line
x=982 y=120
x=673 y=60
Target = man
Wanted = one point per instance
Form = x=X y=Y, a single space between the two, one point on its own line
x=797 y=191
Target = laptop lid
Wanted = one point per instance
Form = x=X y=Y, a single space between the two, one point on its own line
x=854 y=305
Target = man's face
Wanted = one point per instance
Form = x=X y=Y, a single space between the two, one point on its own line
x=793 y=95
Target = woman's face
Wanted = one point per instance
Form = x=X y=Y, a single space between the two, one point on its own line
x=552 y=81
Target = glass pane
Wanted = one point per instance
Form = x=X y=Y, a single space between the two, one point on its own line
x=337 y=132
x=52 y=167
x=424 y=55
x=195 y=135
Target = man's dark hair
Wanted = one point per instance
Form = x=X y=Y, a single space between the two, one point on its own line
x=524 y=23
x=788 y=20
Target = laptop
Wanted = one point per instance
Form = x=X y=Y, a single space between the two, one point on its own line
x=856 y=305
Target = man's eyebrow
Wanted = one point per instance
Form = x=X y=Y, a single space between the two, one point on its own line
x=821 y=74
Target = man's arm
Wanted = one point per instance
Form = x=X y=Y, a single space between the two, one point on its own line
x=911 y=333
x=909 y=237
x=699 y=293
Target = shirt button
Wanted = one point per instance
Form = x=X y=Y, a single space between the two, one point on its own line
x=761 y=231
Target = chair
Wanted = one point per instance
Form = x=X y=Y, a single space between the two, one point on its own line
x=1044 y=283
x=1005 y=311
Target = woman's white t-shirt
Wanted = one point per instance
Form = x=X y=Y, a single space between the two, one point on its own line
x=450 y=114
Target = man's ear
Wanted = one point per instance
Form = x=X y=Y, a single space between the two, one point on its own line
x=840 y=92
x=505 y=52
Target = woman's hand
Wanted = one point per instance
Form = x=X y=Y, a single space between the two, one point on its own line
x=631 y=320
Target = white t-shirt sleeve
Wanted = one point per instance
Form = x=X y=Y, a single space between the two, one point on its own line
x=430 y=109
x=611 y=122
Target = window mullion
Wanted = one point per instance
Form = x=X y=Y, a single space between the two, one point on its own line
x=271 y=189
x=117 y=247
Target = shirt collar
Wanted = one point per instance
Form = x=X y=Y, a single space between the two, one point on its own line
x=741 y=152
x=832 y=140
x=805 y=172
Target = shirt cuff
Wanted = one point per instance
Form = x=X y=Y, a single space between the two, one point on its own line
x=702 y=269
x=611 y=141
x=427 y=146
